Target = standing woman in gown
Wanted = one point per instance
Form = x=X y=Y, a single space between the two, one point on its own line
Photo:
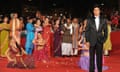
x=108 y=45
x=4 y=36
x=46 y=36
x=38 y=27
x=57 y=38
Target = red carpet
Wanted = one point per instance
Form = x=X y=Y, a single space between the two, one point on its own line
x=70 y=64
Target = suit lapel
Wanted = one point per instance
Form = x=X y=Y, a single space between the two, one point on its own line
x=100 y=24
x=94 y=24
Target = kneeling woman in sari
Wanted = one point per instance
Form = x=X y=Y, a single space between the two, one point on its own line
x=17 y=57
x=39 y=51
x=84 y=58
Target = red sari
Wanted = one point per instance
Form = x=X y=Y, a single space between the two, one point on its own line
x=39 y=51
x=47 y=37
x=115 y=19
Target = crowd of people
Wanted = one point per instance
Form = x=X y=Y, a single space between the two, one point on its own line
x=27 y=40
x=115 y=19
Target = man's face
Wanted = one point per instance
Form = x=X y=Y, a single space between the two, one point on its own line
x=96 y=11
x=68 y=21
x=15 y=15
x=75 y=21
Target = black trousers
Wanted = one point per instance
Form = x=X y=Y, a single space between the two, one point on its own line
x=98 y=50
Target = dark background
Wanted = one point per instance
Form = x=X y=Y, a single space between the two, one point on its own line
x=78 y=7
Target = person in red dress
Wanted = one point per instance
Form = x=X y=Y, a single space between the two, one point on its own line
x=17 y=59
x=14 y=56
x=39 y=52
x=47 y=36
x=115 y=19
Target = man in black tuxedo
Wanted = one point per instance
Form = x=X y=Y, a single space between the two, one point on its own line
x=96 y=34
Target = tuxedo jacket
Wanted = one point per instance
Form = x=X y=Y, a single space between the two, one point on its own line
x=92 y=34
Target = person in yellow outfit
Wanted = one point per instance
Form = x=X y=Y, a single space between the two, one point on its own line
x=107 y=45
x=4 y=36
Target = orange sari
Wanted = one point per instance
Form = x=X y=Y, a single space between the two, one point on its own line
x=15 y=28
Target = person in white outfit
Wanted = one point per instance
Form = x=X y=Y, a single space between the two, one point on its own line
x=75 y=35
x=67 y=39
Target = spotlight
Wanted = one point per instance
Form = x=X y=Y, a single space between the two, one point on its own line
x=102 y=4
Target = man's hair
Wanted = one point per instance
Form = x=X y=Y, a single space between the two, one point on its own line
x=96 y=6
x=30 y=17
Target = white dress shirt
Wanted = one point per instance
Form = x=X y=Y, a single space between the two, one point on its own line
x=97 y=21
